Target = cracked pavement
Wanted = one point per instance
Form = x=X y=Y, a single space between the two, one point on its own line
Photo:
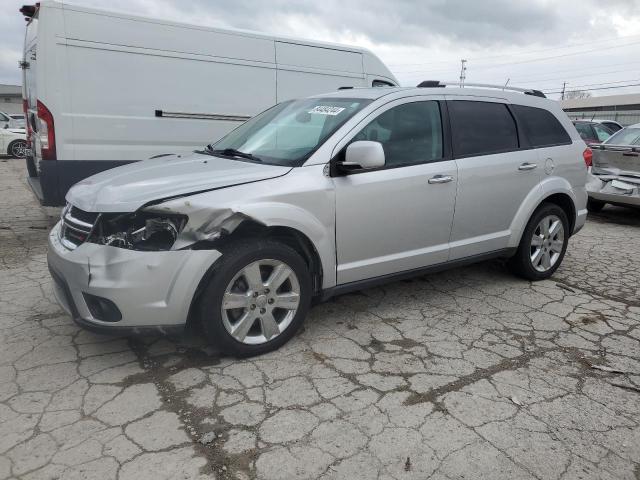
x=469 y=373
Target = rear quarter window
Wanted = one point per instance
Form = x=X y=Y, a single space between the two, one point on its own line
x=541 y=127
x=481 y=128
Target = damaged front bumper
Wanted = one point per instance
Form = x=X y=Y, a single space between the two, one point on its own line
x=110 y=289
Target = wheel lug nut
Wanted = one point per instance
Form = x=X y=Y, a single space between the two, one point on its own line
x=253 y=307
x=266 y=291
x=263 y=310
x=255 y=294
x=271 y=300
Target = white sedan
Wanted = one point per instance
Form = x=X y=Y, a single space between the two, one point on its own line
x=13 y=142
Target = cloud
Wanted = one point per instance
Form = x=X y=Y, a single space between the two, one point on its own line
x=417 y=38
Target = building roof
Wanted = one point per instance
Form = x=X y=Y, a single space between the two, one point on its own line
x=604 y=101
x=10 y=90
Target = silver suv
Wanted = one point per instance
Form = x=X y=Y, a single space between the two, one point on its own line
x=318 y=197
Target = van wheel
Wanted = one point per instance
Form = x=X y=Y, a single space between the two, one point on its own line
x=595 y=206
x=256 y=298
x=17 y=149
x=543 y=244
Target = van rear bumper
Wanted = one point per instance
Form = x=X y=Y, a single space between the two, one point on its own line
x=56 y=177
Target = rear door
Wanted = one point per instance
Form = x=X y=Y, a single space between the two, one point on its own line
x=494 y=174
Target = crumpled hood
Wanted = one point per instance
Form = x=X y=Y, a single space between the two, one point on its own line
x=127 y=188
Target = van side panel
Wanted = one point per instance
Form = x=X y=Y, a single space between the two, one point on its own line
x=104 y=27
x=305 y=70
x=121 y=124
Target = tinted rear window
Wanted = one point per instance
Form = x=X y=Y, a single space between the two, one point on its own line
x=541 y=127
x=481 y=128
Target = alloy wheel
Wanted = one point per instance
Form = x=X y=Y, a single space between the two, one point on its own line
x=18 y=149
x=260 y=301
x=547 y=243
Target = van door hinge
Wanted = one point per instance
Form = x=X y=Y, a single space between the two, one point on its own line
x=24 y=65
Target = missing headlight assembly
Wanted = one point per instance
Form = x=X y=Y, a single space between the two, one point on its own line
x=147 y=231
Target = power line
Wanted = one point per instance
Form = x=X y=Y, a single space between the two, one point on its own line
x=600 y=88
x=566 y=45
x=540 y=59
x=578 y=76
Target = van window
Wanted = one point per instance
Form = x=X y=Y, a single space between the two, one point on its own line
x=481 y=128
x=381 y=83
x=541 y=127
x=409 y=133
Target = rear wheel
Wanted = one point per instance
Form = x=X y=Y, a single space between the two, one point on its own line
x=595 y=206
x=17 y=149
x=543 y=244
x=257 y=298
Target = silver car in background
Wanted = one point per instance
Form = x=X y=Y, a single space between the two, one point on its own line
x=318 y=197
x=615 y=175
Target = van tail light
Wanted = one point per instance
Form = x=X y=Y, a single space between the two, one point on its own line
x=25 y=108
x=46 y=132
x=588 y=157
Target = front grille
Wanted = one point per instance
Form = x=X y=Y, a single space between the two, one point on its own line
x=77 y=225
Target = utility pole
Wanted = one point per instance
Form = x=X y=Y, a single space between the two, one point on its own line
x=564 y=86
x=463 y=72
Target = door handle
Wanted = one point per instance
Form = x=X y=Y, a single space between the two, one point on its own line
x=527 y=166
x=441 y=179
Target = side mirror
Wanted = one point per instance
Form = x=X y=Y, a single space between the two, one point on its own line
x=364 y=155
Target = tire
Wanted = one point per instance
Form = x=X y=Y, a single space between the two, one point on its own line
x=16 y=149
x=530 y=260
x=223 y=324
x=595 y=206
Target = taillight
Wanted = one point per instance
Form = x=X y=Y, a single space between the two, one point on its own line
x=588 y=157
x=46 y=133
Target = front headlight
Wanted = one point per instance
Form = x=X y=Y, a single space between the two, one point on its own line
x=139 y=231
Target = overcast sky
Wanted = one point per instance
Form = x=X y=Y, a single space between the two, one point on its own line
x=534 y=43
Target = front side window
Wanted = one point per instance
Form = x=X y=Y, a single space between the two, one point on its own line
x=409 y=133
x=290 y=132
x=541 y=127
x=481 y=128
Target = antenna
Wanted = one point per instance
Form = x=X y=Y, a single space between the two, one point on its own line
x=506 y=83
x=564 y=86
x=463 y=72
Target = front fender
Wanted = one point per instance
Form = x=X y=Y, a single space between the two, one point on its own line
x=302 y=200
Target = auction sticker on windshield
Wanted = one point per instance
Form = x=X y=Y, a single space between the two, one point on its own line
x=326 y=110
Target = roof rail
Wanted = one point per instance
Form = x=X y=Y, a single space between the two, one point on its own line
x=437 y=83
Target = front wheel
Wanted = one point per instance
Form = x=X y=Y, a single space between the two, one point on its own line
x=257 y=298
x=543 y=244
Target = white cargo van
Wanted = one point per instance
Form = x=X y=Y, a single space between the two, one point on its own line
x=102 y=89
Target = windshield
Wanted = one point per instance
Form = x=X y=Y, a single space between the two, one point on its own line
x=290 y=132
x=627 y=136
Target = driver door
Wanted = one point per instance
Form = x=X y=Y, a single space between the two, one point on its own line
x=397 y=218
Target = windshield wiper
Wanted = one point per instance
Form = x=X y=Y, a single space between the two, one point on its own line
x=232 y=152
